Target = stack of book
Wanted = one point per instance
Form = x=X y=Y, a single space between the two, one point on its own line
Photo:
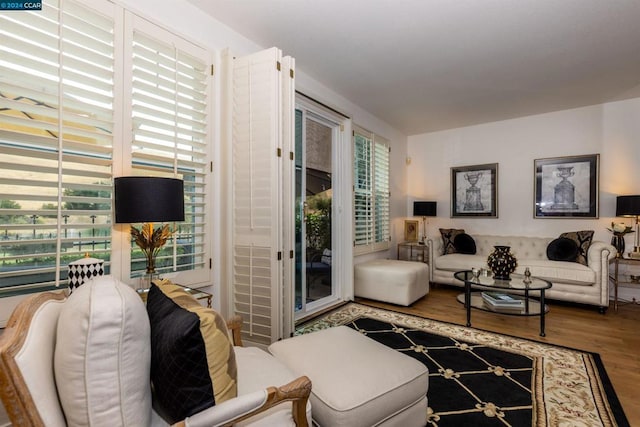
x=502 y=300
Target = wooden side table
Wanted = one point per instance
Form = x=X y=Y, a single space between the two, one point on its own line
x=616 y=279
x=420 y=249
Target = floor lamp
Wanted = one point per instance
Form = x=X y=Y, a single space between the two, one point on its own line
x=148 y=200
x=424 y=209
x=629 y=206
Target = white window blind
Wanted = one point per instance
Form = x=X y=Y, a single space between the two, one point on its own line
x=363 y=191
x=169 y=138
x=88 y=92
x=371 y=192
x=381 y=190
x=56 y=140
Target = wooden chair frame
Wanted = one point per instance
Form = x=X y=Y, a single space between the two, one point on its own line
x=22 y=410
x=14 y=392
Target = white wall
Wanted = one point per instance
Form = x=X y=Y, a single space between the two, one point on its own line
x=611 y=129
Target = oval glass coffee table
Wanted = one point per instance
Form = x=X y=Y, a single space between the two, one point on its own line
x=511 y=297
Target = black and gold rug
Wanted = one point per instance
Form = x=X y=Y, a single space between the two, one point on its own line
x=480 y=378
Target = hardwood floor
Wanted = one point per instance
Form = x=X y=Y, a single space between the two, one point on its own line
x=614 y=335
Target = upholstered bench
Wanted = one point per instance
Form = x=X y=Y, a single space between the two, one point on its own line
x=356 y=381
x=393 y=281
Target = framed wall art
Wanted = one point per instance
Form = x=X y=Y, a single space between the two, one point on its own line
x=474 y=191
x=411 y=230
x=566 y=187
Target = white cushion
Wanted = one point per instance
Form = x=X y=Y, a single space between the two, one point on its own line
x=458 y=262
x=258 y=370
x=356 y=381
x=567 y=272
x=393 y=281
x=564 y=271
x=326 y=257
x=102 y=356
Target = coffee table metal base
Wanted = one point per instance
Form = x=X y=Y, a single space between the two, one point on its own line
x=518 y=287
x=533 y=309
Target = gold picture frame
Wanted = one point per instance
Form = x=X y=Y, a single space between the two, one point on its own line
x=411 y=228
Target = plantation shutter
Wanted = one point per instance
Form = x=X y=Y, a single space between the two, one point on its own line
x=169 y=139
x=382 y=195
x=288 y=193
x=56 y=140
x=363 y=188
x=371 y=196
x=257 y=194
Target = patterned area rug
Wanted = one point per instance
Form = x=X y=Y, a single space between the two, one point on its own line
x=479 y=378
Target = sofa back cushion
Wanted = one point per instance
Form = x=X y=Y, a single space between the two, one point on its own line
x=521 y=247
x=102 y=356
x=193 y=365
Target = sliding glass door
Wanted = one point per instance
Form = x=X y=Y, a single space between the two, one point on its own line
x=315 y=139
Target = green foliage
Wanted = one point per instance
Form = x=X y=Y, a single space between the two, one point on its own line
x=9 y=204
x=87 y=206
x=12 y=219
x=318 y=221
x=50 y=207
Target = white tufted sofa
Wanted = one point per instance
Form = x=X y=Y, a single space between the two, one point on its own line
x=585 y=284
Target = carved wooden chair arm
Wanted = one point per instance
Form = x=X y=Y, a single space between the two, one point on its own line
x=297 y=392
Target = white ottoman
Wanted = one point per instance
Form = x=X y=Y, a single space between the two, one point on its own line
x=356 y=381
x=396 y=282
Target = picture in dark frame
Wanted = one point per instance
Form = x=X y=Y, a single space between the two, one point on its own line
x=567 y=187
x=474 y=191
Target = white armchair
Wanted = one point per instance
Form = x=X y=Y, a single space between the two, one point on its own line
x=30 y=394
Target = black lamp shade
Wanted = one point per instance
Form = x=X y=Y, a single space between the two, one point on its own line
x=424 y=208
x=148 y=199
x=628 y=206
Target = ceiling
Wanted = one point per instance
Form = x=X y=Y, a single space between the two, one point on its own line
x=426 y=65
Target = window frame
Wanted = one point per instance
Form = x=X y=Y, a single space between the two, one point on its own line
x=137 y=27
x=120 y=245
x=374 y=193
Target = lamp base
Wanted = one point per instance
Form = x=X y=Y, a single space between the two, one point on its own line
x=424 y=231
x=144 y=281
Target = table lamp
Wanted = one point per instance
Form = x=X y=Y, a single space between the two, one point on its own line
x=148 y=200
x=424 y=209
x=629 y=206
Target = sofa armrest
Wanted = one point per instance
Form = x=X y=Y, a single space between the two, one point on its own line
x=242 y=407
x=430 y=256
x=435 y=246
x=598 y=257
x=599 y=254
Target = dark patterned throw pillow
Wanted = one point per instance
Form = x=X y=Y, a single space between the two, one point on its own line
x=448 y=239
x=583 y=240
x=193 y=365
